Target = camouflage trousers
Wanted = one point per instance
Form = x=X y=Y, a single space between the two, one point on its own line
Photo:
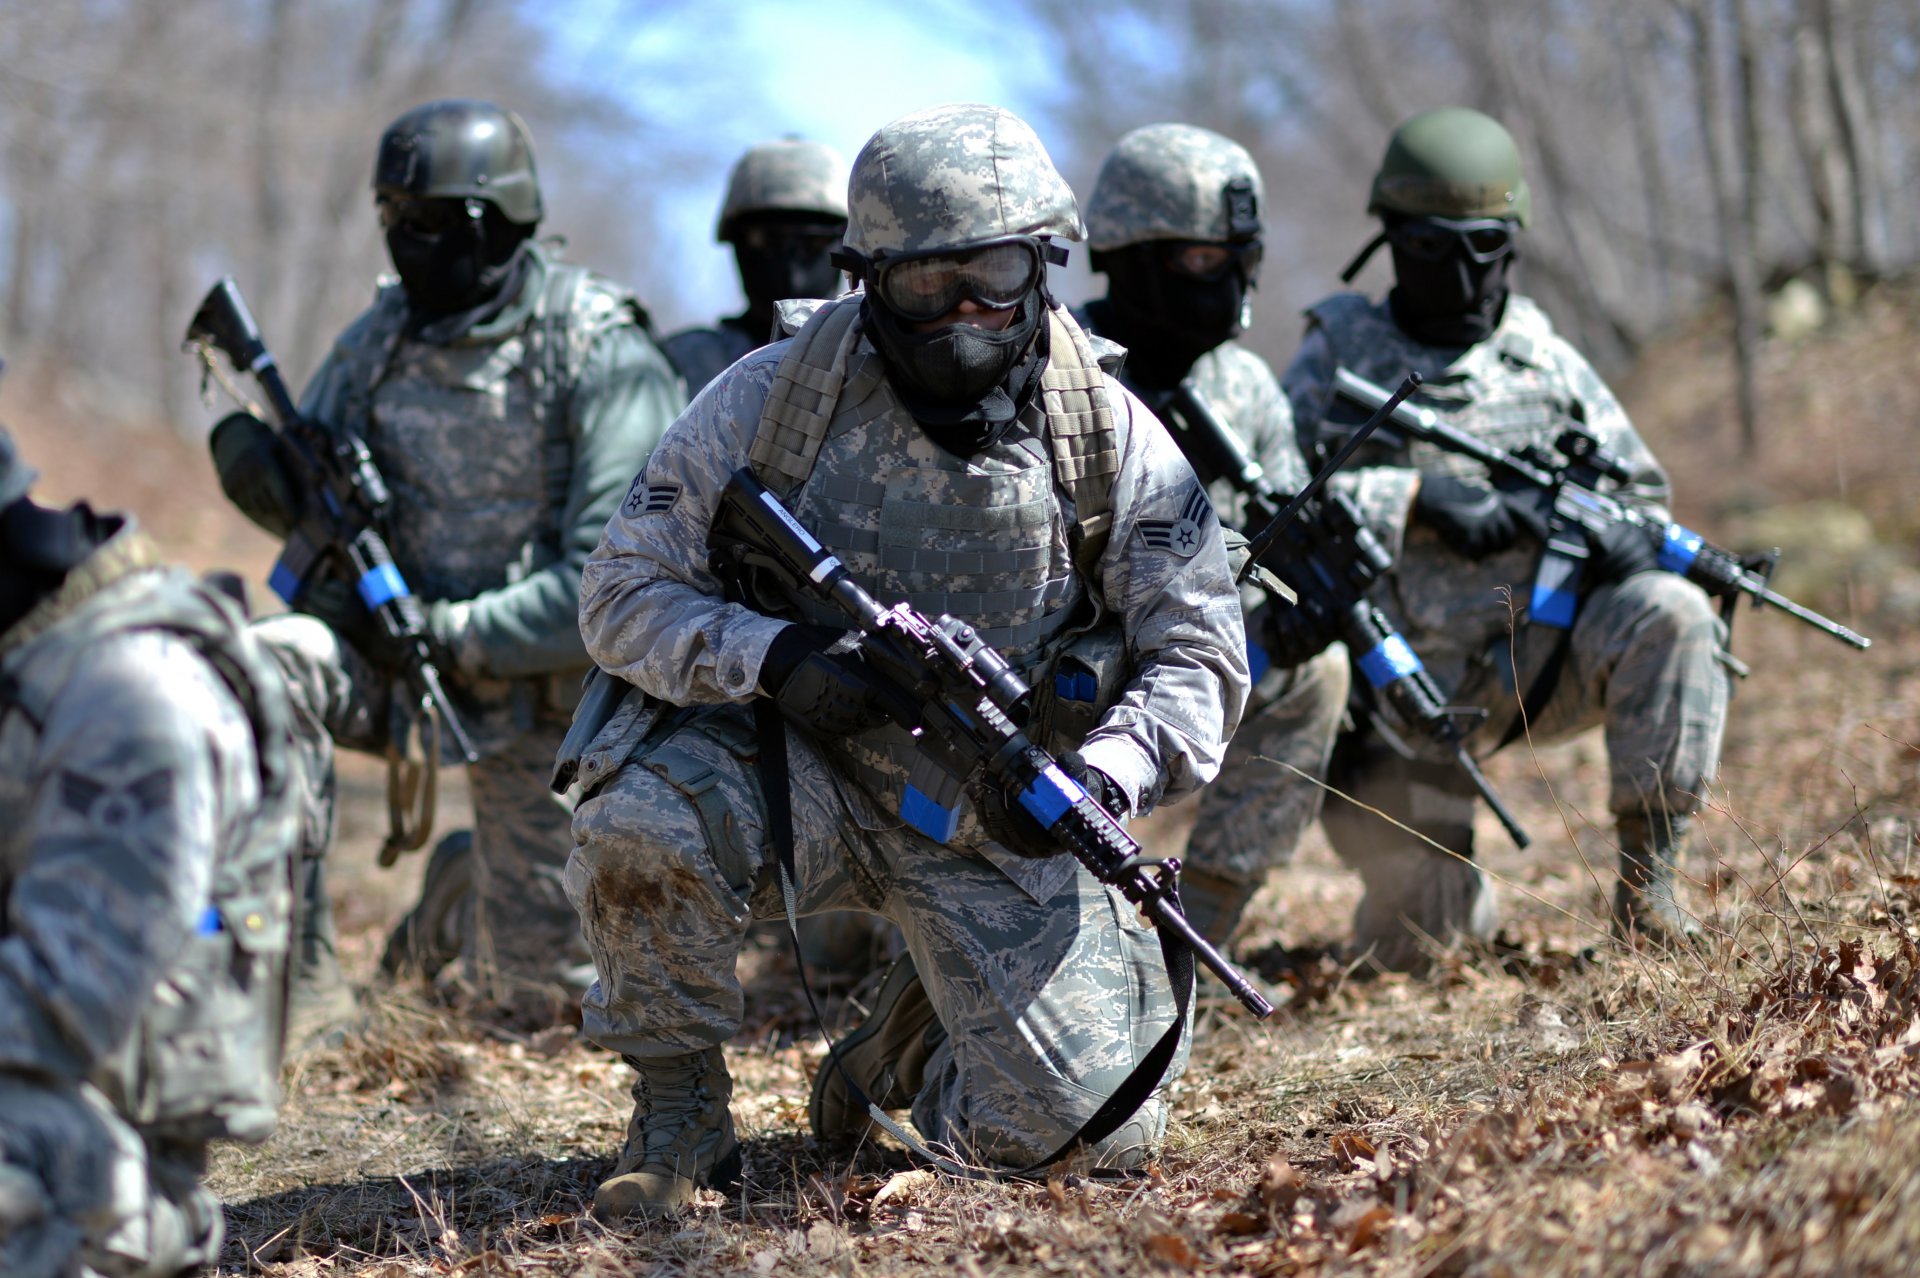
x=82 y=1193
x=1047 y=1003
x=1251 y=817
x=523 y=942
x=1642 y=660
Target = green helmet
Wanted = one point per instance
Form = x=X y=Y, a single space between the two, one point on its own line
x=1174 y=182
x=1452 y=162
x=955 y=175
x=461 y=148
x=788 y=176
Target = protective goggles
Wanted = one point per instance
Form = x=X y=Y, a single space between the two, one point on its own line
x=1211 y=260
x=426 y=216
x=1435 y=239
x=809 y=237
x=924 y=286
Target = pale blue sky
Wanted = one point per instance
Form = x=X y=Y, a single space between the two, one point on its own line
x=716 y=78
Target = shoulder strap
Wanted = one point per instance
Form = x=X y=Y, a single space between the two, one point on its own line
x=1081 y=435
x=371 y=354
x=805 y=389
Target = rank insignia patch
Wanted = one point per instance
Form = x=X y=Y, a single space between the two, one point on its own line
x=649 y=499
x=1180 y=536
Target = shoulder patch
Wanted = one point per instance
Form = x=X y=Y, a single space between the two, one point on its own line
x=649 y=499
x=1178 y=536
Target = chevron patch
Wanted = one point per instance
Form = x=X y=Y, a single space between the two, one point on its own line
x=1178 y=536
x=649 y=499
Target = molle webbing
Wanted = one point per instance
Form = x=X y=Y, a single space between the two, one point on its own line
x=1080 y=431
x=806 y=388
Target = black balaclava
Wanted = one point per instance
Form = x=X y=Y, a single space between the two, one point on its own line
x=964 y=384
x=39 y=547
x=1452 y=302
x=794 y=262
x=1165 y=318
x=471 y=265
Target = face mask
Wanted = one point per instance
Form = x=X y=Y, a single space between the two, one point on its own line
x=1167 y=317
x=969 y=380
x=778 y=265
x=453 y=264
x=1450 y=300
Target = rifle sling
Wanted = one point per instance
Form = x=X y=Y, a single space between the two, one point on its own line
x=1134 y=1090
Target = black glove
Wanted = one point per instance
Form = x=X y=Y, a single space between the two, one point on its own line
x=1620 y=550
x=817 y=677
x=336 y=602
x=246 y=455
x=1472 y=518
x=1013 y=828
x=1293 y=635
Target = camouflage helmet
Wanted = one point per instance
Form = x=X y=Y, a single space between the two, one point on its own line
x=461 y=148
x=954 y=175
x=16 y=477
x=788 y=176
x=1452 y=162
x=1174 y=182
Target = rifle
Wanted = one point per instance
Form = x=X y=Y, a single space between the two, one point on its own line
x=1331 y=559
x=337 y=534
x=964 y=703
x=1570 y=474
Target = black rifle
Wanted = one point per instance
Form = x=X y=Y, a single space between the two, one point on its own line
x=964 y=703
x=1570 y=475
x=336 y=534
x=1330 y=559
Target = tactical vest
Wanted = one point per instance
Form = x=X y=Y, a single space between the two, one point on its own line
x=701 y=354
x=1507 y=391
x=203 y=1061
x=512 y=489
x=1008 y=539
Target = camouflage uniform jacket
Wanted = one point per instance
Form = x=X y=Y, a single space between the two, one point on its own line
x=147 y=830
x=653 y=614
x=1246 y=395
x=702 y=354
x=1522 y=385
x=507 y=446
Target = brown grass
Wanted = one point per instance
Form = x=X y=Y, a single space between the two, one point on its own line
x=1550 y=1105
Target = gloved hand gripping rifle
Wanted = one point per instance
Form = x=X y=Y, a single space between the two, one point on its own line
x=1569 y=477
x=964 y=703
x=1330 y=559
x=337 y=534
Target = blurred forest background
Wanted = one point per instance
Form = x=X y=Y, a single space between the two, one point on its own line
x=1680 y=151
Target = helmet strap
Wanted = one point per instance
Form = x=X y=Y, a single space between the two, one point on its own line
x=1363 y=257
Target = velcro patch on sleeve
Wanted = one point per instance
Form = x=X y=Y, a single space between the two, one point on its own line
x=1180 y=536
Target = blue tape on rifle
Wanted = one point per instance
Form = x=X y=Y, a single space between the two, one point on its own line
x=1052 y=793
x=928 y=817
x=284 y=581
x=1391 y=660
x=1556 y=591
x=1258 y=663
x=1679 y=548
x=382 y=584
x=210 y=924
x=1076 y=686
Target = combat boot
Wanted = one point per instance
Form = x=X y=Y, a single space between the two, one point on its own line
x=885 y=1055
x=1645 y=901
x=679 y=1138
x=434 y=930
x=1213 y=904
x=321 y=1008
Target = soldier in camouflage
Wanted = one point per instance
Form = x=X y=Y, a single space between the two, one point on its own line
x=148 y=834
x=506 y=397
x=785 y=211
x=1174 y=222
x=1643 y=653
x=950 y=434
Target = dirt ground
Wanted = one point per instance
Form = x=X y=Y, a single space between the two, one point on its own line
x=1551 y=1104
